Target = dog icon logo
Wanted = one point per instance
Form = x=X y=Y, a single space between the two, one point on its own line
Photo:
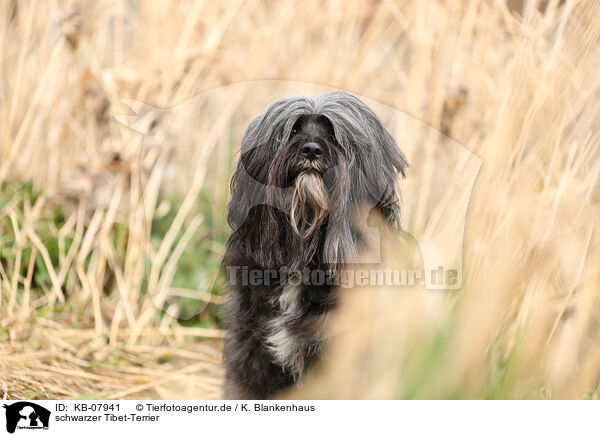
x=26 y=415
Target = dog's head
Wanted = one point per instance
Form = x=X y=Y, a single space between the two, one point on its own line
x=305 y=166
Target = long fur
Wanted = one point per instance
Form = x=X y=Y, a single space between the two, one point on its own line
x=290 y=214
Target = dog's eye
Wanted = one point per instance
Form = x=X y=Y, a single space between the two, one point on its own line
x=294 y=131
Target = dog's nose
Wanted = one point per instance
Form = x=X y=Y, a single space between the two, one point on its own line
x=312 y=150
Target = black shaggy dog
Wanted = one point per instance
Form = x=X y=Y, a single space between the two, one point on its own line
x=306 y=166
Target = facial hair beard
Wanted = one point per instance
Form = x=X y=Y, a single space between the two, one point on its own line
x=309 y=203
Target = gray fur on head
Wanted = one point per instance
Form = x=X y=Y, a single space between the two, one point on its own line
x=361 y=168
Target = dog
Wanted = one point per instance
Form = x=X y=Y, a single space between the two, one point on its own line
x=306 y=166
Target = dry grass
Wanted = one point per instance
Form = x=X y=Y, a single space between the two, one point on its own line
x=103 y=230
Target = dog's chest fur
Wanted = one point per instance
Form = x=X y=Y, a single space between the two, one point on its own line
x=276 y=331
x=294 y=335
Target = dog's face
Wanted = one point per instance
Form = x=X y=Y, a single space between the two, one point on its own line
x=305 y=166
x=310 y=148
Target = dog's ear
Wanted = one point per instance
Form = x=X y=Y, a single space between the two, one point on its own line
x=253 y=203
x=383 y=181
x=248 y=182
x=260 y=143
x=374 y=159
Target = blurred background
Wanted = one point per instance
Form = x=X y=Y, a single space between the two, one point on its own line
x=120 y=122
